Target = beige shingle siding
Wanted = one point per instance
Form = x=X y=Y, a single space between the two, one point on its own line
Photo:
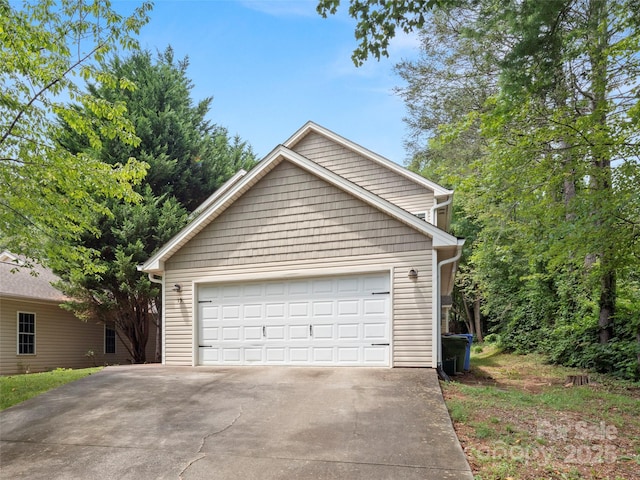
x=366 y=173
x=62 y=340
x=292 y=221
x=303 y=218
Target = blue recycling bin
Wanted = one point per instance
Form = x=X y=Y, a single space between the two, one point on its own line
x=467 y=358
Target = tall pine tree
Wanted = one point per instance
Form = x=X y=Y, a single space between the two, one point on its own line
x=188 y=159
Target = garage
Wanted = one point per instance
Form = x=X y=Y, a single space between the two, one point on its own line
x=337 y=320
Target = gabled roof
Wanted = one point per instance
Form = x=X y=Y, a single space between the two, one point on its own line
x=156 y=263
x=218 y=193
x=33 y=283
x=438 y=191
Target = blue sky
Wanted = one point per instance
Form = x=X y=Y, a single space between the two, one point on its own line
x=271 y=65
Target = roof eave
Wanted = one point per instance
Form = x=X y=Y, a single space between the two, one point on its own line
x=156 y=263
x=438 y=190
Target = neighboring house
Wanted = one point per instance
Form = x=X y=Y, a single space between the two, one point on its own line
x=323 y=254
x=37 y=335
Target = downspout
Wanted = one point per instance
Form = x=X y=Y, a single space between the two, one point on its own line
x=439 y=299
x=434 y=218
x=160 y=281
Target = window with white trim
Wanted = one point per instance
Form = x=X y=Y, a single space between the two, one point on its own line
x=26 y=333
x=109 y=339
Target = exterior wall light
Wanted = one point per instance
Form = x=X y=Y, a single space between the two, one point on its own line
x=413 y=274
x=177 y=287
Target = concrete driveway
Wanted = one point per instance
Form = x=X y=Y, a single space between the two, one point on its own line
x=154 y=422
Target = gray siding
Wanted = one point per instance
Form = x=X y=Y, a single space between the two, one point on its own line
x=292 y=221
x=366 y=173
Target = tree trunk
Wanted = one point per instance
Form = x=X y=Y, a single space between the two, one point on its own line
x=601 y=180
x=607 y=305
x=477 y=319
x=638 y=339
x=468 y=316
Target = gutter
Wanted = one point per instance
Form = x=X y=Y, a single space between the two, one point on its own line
x=154 y=279
x=434 y=218
x=439 y=298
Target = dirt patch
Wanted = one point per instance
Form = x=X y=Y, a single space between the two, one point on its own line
x=520 y=428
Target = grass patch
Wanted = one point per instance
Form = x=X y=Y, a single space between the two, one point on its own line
x=18 y=388
x=515 y=418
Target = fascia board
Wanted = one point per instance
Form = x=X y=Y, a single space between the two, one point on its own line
x=156 y=263
x=438 y=190
x=218 y=193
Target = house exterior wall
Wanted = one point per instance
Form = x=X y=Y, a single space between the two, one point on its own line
x=364 y=172
x=62 y=340
x=289 y=223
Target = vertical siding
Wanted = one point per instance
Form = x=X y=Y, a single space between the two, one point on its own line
x=292 y=221
x=366 y=173
x=62 y=340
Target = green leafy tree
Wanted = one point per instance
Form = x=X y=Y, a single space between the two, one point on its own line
x=554 y=188
x=453 y=76
x=188 y=159
x=48 y=195
x=378 y=21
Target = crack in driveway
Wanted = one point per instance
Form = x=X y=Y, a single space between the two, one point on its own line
x=204 y=441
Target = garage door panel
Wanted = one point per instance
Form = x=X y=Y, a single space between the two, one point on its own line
x=234 y=291
x=211 y=333
x=231 y=355
x=275 y=332
x=322 y=309
x=323 y=355
x=209 y=355
x=298 y=309
x=275 y=354
x=324 y=321
x=210 y=311
x=322 y=286
x=376 y=283
x=253 y=333
x=322 y=332
x=375 y=331
x=376 y=306
x=253 y=354
x=275 y=310
x=348 y=355
x=230 y=333
x=348 y=331
x=230 y=312
x=299 y=332
x=348 y=285
x=299 y=288
x=348 y=307
x=252 y=311
x=252 y=291
x=375 y=355
x=299 y=355
x=274 y=289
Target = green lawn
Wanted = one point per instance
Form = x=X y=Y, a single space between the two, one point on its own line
x=517 y=418
x=18 y=388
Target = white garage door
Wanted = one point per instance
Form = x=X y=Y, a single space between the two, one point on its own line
x=316 y=321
